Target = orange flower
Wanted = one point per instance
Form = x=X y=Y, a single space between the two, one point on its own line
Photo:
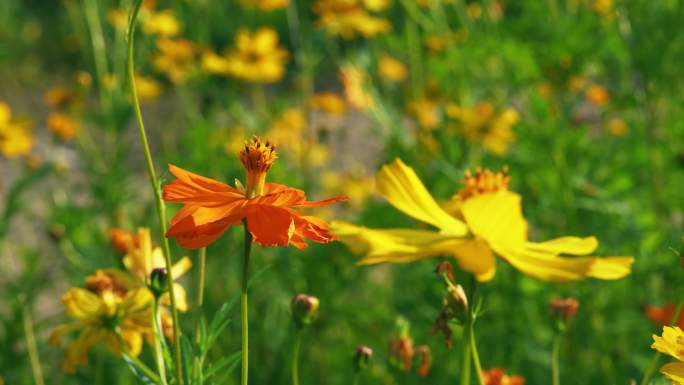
x=498 y=376
x=663 y=315
x=268 y=209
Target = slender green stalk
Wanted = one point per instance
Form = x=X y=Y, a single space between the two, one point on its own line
x=476 y=356
x=161 y=209
x=295 y=357
x=243 y=307
x=469 y=342
x=656 y=356
x=200 y=289
x=157 y=336
x=465 y=359
x=31 y=346
x=555 y=359
x=357 y=376
x=92 y=15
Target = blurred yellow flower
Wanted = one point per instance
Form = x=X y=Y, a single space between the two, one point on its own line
x=118 y=18
x=328 y=102
x=604 y=8
x=426 y=111
x=481 y=124
x=15 y=138
x=143 y=258
x=162 y=23
x=148 y=88
x=256 y=58
x=391 y=69
x=357 y=186
x=353 y=79
x=482 y=220
x=474 y=11
x=577 y=83
x=617 y=127
x=59 y=97
x=597 y=95
x=176 y=58
x=266 y=5
x=437 y=43
x=672 y=344
x=351 y=18
x=62 y=125
x=103 y=316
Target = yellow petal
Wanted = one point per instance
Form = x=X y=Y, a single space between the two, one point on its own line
x=474 y=256
x=181 y=297
x=136 y=300
x=567 y=245
x=393 y=245
x=550 y=267
x=497 y=218
x=400 y=185
x=181 y=267
x=82 y=304
x=671 y=343
x=674 y=371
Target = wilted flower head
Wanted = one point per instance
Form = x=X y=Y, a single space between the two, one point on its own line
x=304 y=309
x=362 y=357
x=424 y=360
x=564 y=308
x=400 y=351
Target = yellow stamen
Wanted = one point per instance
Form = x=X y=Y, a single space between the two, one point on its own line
x=257 y=157
x=484 y=181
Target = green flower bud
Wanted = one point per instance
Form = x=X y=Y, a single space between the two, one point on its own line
x=159 y=281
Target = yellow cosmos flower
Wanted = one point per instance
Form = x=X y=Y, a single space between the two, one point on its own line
x=256 y=57
x=15 y=138
x=597 y=95
x=176 y=58
x=144 y=258
x=328 y=102
x=482 y=124
x=392 y=69
x=62 y=125
x=351 y=18
x=426 y=111
x=483 y=220
x=148 y=88
x=103 y=317
x=162 y=23
x=672 y=344
x=354 y=81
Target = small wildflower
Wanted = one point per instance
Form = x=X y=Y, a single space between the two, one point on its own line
x=351 y=18
x=597 y=95
x=354 y=81
x=391 y=69
x=328 y=102
x=672 y=344
x=498 y=376
x=15 y=138
x=362 y=357
x=162 y=23
x=617 y=127
x=62 y=125
x=304 y=309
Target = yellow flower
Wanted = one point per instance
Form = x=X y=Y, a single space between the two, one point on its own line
x=62 y=125
x=354 y=184
x=426 y=111
x=141 y=260
x=349 y=18
x=391 y=69
x=483 y=220
x=103 y=317
x=597 y=95
x=118 y=18
x=148 y=88
x=256 y=58
x=482 y=124
x=15 y=138
x=59 y=97
x=162 y=23
x=267 y=5
x=618 y=127
x=328 y=102
x=672 y=344
x=175 y=58
x=354 y=81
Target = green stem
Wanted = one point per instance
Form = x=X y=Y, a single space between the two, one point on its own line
x=31 y=346
x=656 y=356
x=476 y=356
x=97 y=41
x=157 y=336
x=295 y=357
x=200 y=290
x=555 y=359
x=243 y=307
x=161 y=209
x=470 y=328
x=465 y=359
x=357 y=376
x=135 y=360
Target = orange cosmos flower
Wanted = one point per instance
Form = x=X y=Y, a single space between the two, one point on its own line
x=498 y=376
x=663 y=315
x=268 y=209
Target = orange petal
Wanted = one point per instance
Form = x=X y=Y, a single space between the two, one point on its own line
x=190 y=187
x=269 y=225
x=312 y=228
x=324 y=202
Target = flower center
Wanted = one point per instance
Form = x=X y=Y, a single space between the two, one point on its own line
x=257 y=158
x=483 y=181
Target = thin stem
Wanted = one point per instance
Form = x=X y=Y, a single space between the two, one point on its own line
x=295 y=357
x=136 y=361
x=470 y=327
x=243 y=307
x=357 y=376
x=465 y=359
x=200 y=290
x=161 y=209
x=656 y=357
x=97 y=41
x=476 y=356
x=157 y=336
x=31 y=346
x=555 y=359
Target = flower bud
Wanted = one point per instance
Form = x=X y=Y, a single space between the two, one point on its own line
x=563 y=309
x=304 y=309
x=362 y=357
x=425 y=359
x=159 y=281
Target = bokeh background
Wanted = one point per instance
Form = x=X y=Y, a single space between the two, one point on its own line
x=581 y=99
